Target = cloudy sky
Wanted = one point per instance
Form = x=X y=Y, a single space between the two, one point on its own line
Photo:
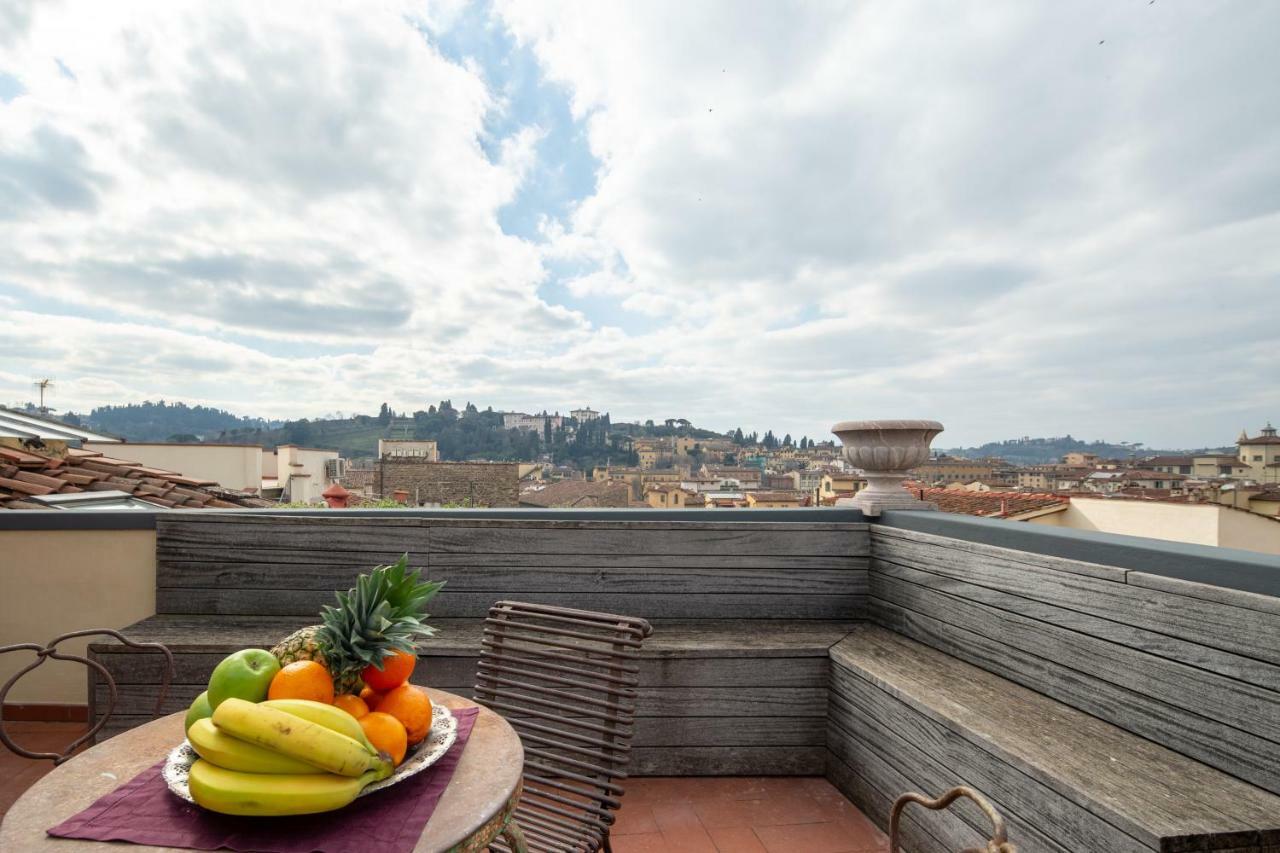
x=1014 y=217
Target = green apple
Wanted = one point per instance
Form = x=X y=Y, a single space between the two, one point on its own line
x=198 y=711
x=245 y=675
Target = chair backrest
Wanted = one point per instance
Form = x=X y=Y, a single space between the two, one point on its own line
x=566 y=681
x=50 y=651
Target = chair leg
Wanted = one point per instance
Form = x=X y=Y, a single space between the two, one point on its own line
x=514 y=836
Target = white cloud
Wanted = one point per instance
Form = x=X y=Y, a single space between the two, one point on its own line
x=804 y=213
x=1015 y=218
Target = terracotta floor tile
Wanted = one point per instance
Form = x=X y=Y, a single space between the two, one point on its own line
x=667 y=789
x=633 y=819
x=770 y=811
x=647 y=842
x=682 y=829
x=736 y=839
x=671 y=816
x=18 y=773
x=837 y=836
x=689 y=841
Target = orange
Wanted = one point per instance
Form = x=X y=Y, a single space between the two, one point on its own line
x=304 y=679
x=386 y=733
x=371 y=698
x=353 y=705
x=409 y=704
x=390 y=671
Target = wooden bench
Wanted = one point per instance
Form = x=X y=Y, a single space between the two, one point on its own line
x=733 y=679
x=905 y=716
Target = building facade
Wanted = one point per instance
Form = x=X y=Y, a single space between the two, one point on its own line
x=424 y=449
x=425 y=483
x=1262 y=454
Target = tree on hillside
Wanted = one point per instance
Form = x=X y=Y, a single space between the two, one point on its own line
x=786 y=440
x=384 y=414
x=769 y=441
x=738 y=437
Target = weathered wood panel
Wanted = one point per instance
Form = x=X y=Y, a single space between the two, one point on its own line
x=1213 y=743
x=780 y=576
x=927 y=775
x=728 y=761
x=654 y=604
x=672 y=638
x=652 y=702
x=1233 y=666
x=645 y=537
x=915 y=830
x=1204 y=694
x=235 y=565
x=1151 y=793
x=733 y=681
x=936 y=759
x=1196 y=672
x=184 y=535
x=195 y=668
x=939 y=832
x=1238 y=630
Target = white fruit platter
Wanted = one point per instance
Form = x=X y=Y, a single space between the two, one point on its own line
x=444 y=731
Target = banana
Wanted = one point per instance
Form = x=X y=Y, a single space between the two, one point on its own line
x=263 y=795
x=334 y=719
x=295 y=737
x=221 y=749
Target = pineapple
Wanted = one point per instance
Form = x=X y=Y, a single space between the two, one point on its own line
x=381 y=613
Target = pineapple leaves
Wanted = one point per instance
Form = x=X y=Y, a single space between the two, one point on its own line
x=382 y=613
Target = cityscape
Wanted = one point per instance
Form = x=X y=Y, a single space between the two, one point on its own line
x=582 y=459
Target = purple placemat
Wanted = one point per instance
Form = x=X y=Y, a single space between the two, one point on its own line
x=145 y=811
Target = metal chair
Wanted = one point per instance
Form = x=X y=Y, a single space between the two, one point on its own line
x=566 y=681
x=50 y=650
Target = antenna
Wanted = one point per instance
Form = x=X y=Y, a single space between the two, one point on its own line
x=43 y=385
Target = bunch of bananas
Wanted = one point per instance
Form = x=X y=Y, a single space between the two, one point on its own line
x=281 y=757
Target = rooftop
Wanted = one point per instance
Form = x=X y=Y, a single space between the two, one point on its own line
x=994 y=504
x=28 y=425
x=36 y=480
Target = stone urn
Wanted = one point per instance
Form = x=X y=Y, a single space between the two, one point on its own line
x=885 y=451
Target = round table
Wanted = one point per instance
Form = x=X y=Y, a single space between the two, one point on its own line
x=472 y=812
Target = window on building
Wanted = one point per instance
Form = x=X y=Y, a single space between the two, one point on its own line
x=1257 y=458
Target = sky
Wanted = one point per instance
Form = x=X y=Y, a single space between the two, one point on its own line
x=1018 y=218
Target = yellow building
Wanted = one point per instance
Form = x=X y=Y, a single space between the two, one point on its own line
x=666 y=497
x=775 y=500
x=847 y=483
x=1078 y=459
x=948 y=469
x=1262 y=454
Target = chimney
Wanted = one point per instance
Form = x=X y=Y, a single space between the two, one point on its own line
x=336 y=496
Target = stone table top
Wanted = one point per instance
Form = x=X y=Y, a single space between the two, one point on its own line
x=486 y=778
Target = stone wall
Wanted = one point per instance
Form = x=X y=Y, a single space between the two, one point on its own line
x=483 y=484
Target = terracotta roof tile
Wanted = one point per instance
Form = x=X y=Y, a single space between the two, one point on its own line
x=21 y=457
x=24 y=474
x=991 y=504
x=580 y=493
x=39 y=479
x=18 y=487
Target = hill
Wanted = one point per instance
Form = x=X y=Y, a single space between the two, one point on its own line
x=462 y=434
x=1039 y=451
x=163 y=421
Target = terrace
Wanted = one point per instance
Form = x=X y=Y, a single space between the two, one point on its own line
x=1104 y=692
